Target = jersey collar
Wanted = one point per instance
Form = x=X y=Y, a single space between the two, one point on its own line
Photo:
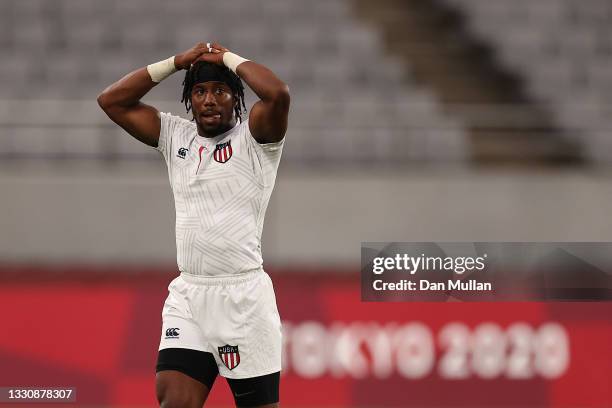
x=216 y=139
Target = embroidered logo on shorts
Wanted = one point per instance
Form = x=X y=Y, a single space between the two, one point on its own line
x=172 y=333
x=223 y=152
x=230 y=356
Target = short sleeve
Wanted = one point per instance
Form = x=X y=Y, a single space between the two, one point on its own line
x=267 y=148
x=270 y=147
x=267 y=155
x=168 y=128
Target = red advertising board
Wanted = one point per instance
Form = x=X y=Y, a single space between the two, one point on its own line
x=101 y=336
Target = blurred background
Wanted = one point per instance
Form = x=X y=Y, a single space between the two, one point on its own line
x=411 y=120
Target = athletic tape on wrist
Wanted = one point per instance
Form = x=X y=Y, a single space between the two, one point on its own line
x=232 y=60
x=161 y=70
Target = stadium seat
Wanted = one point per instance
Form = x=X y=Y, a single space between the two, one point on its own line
x=561 y=48
x=317 y=47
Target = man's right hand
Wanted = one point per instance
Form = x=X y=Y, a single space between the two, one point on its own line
x=121 y=100
x=185 y=59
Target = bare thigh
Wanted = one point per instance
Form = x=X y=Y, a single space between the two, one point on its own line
x=177 y=390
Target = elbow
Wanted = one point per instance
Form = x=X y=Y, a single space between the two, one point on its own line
x=103 y=101
x=107 y=99
x=281 y=96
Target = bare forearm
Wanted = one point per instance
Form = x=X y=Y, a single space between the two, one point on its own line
x=266 y=85
x=268 y=116
x=121 y=100
x=127 y=91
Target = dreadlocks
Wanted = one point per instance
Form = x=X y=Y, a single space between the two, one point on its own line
x=203 y=71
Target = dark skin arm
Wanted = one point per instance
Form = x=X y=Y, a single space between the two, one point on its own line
x=121 y=100
x=268 y=117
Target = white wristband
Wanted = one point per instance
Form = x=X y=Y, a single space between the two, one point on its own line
x=162 y=69
x=232 y=60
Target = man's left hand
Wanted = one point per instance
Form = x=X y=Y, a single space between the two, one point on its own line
x=215 y=56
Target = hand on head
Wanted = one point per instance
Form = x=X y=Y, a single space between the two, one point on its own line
x=210 y=52
x=213 y=54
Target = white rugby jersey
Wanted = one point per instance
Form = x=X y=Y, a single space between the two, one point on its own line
x=221 y=188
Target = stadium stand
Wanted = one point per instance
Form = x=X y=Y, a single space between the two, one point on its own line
x=562 y=49
x=383 y=83
x=351 y=100
x=503 y=122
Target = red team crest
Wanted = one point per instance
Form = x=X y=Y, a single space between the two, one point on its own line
x=223 y=152
x=230 y=356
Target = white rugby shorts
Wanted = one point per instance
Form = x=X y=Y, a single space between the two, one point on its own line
x=233 y=318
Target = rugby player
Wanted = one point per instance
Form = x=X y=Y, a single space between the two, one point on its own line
x=220 y=316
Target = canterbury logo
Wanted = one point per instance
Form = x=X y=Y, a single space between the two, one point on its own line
x=173 y=332
x=182 y=153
